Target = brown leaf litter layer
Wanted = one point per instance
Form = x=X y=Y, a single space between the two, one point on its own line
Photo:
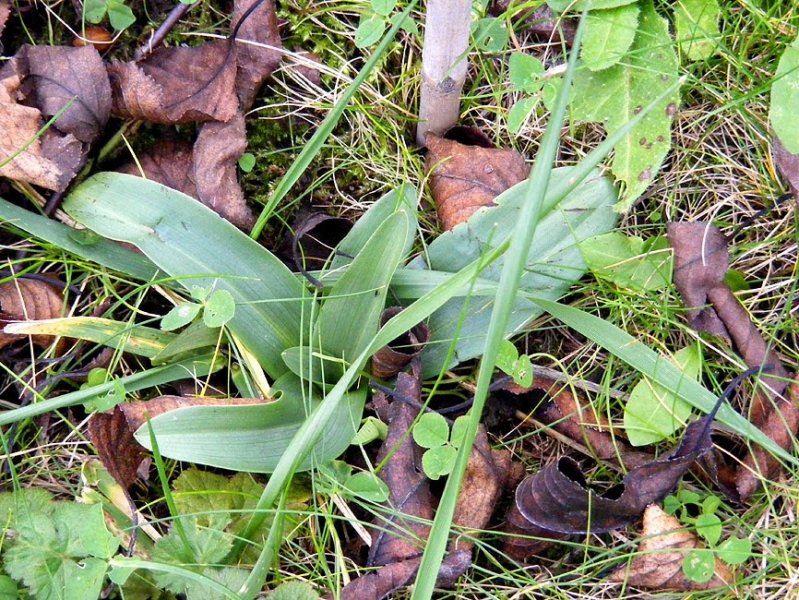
x=28 y=300
x=391 y=358
x=36 y=85
x=657 y=564
x=701 y=262
x=401 y=534
x=464 y=178
x=787 y=164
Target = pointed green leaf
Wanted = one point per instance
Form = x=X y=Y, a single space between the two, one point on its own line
x=609 y=33
x=188 y=240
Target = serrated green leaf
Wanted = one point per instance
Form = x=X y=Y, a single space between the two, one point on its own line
x=709 y=527
x=367 y=486
x=735 y=551
x=383 y=7
x=370 y=29
x=437 y=462
x=614 y=95
x=219 y=309
x=628 y=261
x=699 y=565
x=697 y=25
x=180 y=316
x=518 y=113
x=431 y=430
x=785 y=98
x=94 y=10
x=653 y=413
x=293 y=590
x=609 y=33
x=189 y=241
x=209 y=496
x=119 y=15
x=525 y=72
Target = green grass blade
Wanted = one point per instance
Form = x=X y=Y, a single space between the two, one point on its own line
x=659 y=369
x=314 y=145
x=132 y=383
x=80 y=242
x=514 y=264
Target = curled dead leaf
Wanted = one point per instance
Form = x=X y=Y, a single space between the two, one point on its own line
x=312 y=239
x=393 y=357
x=464 y=178
x=29 y=300
x=657 y=564
x=116 y=447
x=259 y=47
x=178 y=85
x=169 y=163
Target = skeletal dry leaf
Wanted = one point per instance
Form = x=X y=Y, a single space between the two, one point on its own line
x=178 y=85
x=28 y=300
x=116 y=447
x=464 y=178
x=259 y=47
x=657 y=564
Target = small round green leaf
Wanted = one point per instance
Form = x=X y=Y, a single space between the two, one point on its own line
x=367 y=486
x=94 y=10
x=408 y=24
x=699 y=565
x=735 y=551
x=490 y=34
x=293 y=590
x=506 y=356
x=369 y=31
x=181 y=315
x=431 y=430
x=459 y=431
x=525 y=72
x=709 y=527
x=383 y=7
x=523 y=371
x=517 y=115
x=247 y=162
x=439 y=461
x=671 y=505
x=220 y=307
x=710 y=504
x=119 y=15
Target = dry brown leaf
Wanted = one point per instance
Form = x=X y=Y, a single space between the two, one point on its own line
x=137 y=413
x=50 y=161
x=178 y=85
x=216 y=154
x=393 y=357
x=28 y=300
x=482 y=485
x=402 y=533
x=5 y=12
x=169 y=163
x=255 y=62
x=787 y=164
x=541 y=22
x=657 y=564
x=116 y=447
x=58 y=75
x=312 y=238
x=465 y=178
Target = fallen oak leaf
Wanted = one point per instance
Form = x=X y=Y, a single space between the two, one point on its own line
x=177 y=85
x=169 y=163
x=657 y=565
x=112 y=438
x=464 y=178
